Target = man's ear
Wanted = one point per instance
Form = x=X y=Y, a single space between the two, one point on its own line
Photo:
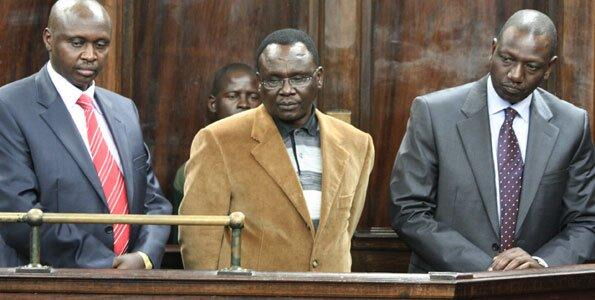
x=259 y=82
x=494 y=44
x=212 y=104
x=47 y=39
x=319 y=75
x=548 y=72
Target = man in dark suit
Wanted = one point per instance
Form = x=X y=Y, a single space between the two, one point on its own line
x=497 y=174
x=69 y=146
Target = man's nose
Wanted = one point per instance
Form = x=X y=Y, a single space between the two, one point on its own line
x=88 y=53
x=243 y=101
x=286 y=88
x=515 y=74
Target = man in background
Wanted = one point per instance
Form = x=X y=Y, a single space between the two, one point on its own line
x=69 y=146
x=234 y=90
x=497 y=174
x=298 y=175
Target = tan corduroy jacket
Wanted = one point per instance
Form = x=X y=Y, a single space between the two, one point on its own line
x=240 y=164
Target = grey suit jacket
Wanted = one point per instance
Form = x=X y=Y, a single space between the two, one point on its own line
x=44 y=163
x=443 y=194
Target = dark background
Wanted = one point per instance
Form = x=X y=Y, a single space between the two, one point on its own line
x=377 y=55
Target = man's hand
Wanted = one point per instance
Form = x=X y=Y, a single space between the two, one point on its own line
x=514 y=259
x=128 y=261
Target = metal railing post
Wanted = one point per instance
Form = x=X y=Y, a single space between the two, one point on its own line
x=236 y=224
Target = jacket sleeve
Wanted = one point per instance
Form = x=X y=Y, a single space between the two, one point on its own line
x=206 y=192
x=576 y=241
x=152 y=238
x=413 y=186
x=359 y=196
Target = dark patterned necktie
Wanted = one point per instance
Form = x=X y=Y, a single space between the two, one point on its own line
x=510 y=174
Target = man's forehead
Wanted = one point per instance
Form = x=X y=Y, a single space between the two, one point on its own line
x=514 y=38
x=239 y=77
x=275 y=53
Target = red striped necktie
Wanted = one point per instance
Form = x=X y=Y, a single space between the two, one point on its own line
x=109 y=174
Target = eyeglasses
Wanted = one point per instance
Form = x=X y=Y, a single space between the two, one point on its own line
x=295 y=81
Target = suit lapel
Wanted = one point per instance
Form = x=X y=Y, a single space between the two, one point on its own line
x=59 y=120
x=541 y=140
x=476 y=138
x=118 y=131
x=271 y=154
x=334 y=159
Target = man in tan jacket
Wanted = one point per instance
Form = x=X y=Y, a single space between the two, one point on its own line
x=298 y=175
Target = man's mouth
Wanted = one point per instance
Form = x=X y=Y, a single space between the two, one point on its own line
x=288 y=105
x=86 y=72
x=511 y=89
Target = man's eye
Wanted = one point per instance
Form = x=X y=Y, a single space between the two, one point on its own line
x=299 y=79
x=101 y=44
x=532 y=67
x=232 y=96
x=77 y=43
x=506 y=59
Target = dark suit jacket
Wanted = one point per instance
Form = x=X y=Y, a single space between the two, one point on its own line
x=44 y=163
x=443 y=191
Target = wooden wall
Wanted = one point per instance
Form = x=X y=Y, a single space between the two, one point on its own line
x=378 y=55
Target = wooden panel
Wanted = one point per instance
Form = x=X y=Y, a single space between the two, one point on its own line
x=340 y=50
x=22 y=51
x=551 y=283
x=178 y=45
x=576 y=64
x=112 y=77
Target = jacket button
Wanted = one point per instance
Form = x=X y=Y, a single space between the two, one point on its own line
x=315 y=263
x=495 y=247
x=109 y=229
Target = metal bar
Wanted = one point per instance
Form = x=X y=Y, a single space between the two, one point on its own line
x=119 y=219
x=35 y=218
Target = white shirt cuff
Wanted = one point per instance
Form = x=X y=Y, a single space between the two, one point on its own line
x=540 y=261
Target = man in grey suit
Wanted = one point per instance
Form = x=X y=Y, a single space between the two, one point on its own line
x=497 y=174
x=67 y=145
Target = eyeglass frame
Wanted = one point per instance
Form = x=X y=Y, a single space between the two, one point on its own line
x=282 y=81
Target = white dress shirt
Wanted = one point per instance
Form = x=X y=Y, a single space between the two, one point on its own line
x=70 y=95
x=520 y=125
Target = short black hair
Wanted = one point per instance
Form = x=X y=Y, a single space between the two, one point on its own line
x=221 y=73
x=533 y=22
x=288 y=36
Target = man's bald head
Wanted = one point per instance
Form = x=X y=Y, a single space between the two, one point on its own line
x=64 y=11
x=535 y=23
x=77 y=39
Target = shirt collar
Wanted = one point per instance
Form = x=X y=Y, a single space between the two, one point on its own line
x=68 y=92
x=497 y=104
x=311 y=126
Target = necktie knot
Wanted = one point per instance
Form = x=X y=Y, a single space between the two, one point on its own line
x=510 y=114
x=85 y=102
